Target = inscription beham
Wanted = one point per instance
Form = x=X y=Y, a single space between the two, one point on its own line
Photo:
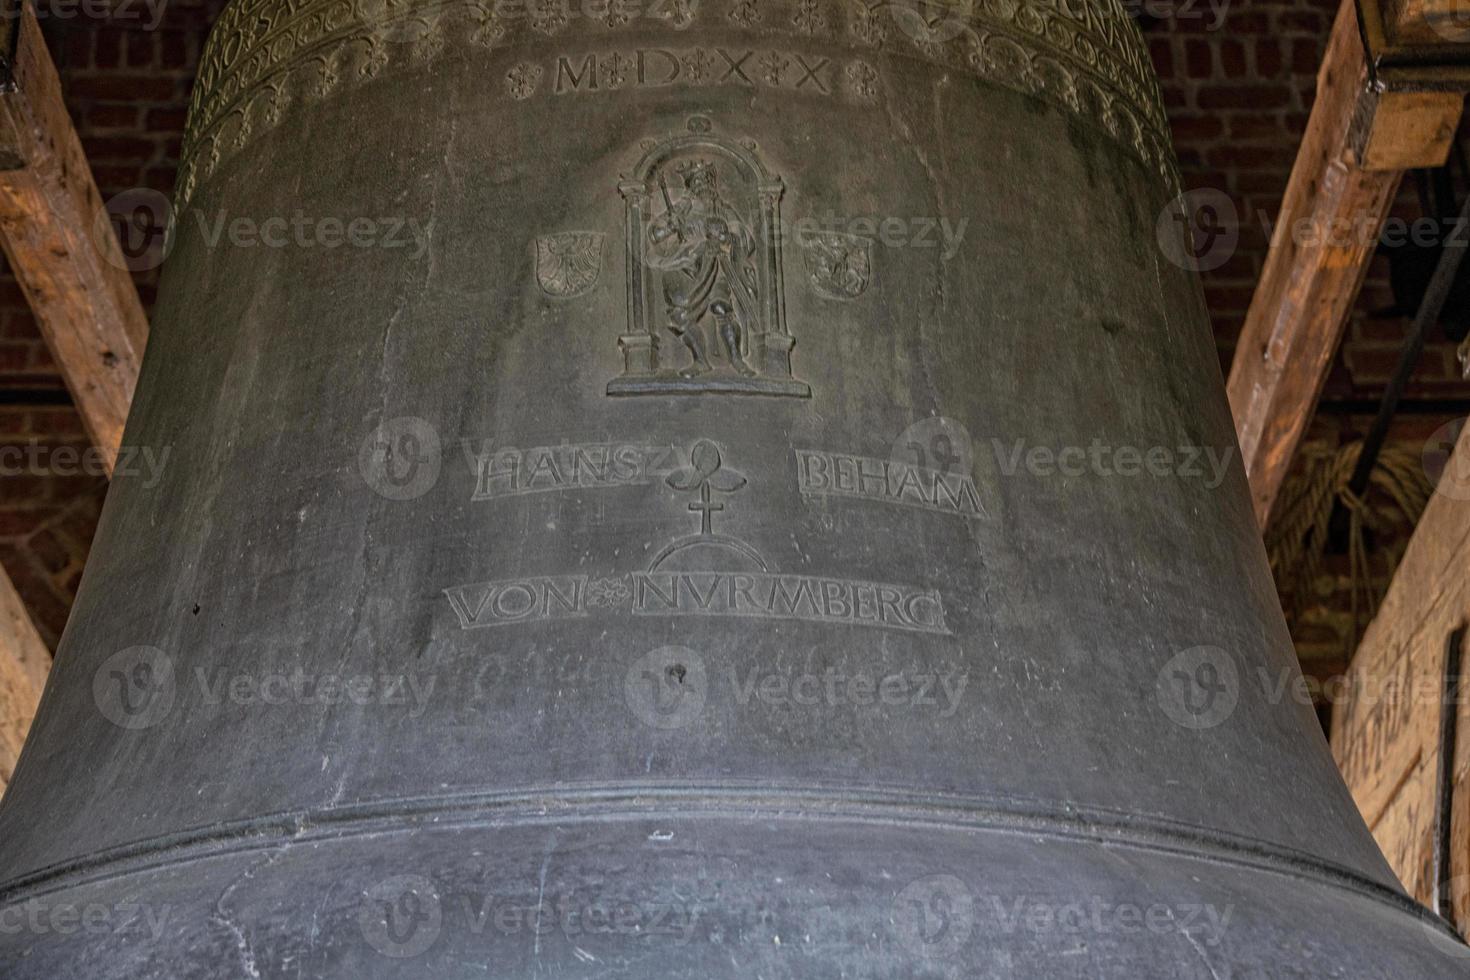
x=887 y=480
x=761 y=595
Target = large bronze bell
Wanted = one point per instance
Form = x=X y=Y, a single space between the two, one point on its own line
x=684 y=488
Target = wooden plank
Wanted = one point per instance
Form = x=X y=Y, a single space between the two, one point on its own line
x=1424 y=22
x=1408 y=129
x=77 y=283
x=24 y=663
x=1386 y=733
x=1329 y=224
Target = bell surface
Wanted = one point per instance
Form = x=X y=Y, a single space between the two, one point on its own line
x=688 y=488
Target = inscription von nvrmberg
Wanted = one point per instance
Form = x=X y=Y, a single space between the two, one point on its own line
x=664 y=589
x=656 y=67
x=887 y=480
x=822 y=600
x=508 y=472
x=526 y=600
x=760 y=595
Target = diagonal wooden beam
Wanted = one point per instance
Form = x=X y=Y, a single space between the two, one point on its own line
x=80 y=291
x=24 y=663
x=76 y=281
x=1358 y=142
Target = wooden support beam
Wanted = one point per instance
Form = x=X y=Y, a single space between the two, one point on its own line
x=24 y=663
x=1409 y=35
x=76 y=281
x=1389 y=730
x=1358 y=141
x=1398 y=131
x=1422 y=21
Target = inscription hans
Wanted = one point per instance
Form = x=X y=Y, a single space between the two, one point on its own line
x=510 y=472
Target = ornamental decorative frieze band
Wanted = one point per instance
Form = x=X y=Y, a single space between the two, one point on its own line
x=265 y=56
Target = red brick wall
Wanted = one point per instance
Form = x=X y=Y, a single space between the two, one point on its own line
x=46 y=520
x=1238 y=99
x=127 y=89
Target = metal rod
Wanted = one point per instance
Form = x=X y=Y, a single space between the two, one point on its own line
x=1448 y=740
x=1417 y=406
x=11 y=13
x=1427 y=316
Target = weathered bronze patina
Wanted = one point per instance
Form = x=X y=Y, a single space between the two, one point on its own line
x=707 y=488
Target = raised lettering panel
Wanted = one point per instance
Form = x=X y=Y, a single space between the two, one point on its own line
x=824 y=474
x=732 y=578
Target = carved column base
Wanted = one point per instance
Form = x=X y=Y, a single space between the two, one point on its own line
x=640 y=354
x=774 y=356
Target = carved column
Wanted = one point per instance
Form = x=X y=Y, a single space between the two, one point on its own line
x=639 y=346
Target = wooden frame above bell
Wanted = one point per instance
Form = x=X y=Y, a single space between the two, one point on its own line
x=1417 y=43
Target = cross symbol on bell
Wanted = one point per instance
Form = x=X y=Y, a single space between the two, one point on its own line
x=706 y=472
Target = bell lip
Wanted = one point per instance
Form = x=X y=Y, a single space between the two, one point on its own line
x=567 y=804
x=866 y=865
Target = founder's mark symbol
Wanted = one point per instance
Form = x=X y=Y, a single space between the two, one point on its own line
x=706 y=472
